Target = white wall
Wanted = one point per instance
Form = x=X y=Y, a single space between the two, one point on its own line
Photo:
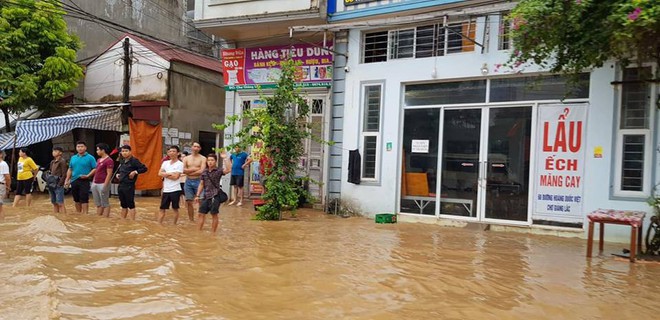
x=219 y=9
x=372 y=199
x=104 y=76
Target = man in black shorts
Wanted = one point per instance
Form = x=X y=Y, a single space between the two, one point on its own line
x=82 y=167
x=170 y=170
x=210 y=185
x=129 y=168
x=239 y=161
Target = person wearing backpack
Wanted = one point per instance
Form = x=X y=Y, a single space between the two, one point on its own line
x=55 y=180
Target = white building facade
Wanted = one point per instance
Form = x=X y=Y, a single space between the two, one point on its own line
x=446 y=131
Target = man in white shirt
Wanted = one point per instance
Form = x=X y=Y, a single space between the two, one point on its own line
x=5 y=181
x=170 y=170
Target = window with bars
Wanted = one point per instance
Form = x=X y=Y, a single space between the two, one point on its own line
x=372 y=105
x=420 y=42
x=634 y=134
x=375 y=47
x=503 y=37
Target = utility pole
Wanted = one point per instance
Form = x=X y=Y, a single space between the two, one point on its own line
x=127 y=70
x=128 y=61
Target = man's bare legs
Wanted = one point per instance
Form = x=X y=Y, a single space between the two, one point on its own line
x=239 y=192
x=161 y=216
x=176 y=215
x=59 y=208
x=106 y=212
x=131 y=214
x=200 y=221
x=99 y=211
x=28 y=199
x=82 y=207
x=124 y=212
x=191 y=210
x=17 y=200
x=233 y=195
x=215 y=223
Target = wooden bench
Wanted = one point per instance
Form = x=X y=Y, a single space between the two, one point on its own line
x=634 y=219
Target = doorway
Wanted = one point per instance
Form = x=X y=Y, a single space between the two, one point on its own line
x=486 y=163
x=467 y=163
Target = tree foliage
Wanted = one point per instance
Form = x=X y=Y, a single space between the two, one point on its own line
x=37 y=54
x=282 y=126
x=569 y=36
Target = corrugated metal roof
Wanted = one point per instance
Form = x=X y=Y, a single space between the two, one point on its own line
x=171 y=53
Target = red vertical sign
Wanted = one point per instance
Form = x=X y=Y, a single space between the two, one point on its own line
x=233 y=61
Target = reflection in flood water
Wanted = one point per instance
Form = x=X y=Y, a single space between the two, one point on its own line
x=314 y=267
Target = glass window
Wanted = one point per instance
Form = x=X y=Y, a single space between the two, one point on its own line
x=632 y=176
x=421 y=41
x=372 y=104
x=375 y=47
x=445 y=93
x=372 y=95
x=633 y=157
x=425 y=41
x=635 y=99
x=370 y=144
x=503 y=37
x=531 y=88
x=402 y=43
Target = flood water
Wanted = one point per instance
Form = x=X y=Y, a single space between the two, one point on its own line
x=315 y=267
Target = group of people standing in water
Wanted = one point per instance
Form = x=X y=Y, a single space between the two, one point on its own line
x=85 y=174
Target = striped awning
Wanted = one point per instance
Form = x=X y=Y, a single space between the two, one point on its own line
x=30 y=132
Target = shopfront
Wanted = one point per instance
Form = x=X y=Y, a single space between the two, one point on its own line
x=250 y=77
x=469 y=149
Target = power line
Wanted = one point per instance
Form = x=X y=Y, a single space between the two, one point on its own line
x=183 y=20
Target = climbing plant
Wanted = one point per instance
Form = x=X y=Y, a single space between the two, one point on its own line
x=282 y=126
x=570 y=36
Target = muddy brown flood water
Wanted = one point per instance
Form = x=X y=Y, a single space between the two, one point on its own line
x=315 y=267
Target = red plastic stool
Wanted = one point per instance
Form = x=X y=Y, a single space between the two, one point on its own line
x=258 y=203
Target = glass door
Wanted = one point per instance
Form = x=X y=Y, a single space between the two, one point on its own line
x=507 y=164
x=460 y=172
x=485 y=163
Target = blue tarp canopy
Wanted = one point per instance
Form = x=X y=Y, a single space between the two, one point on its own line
x=29 y=132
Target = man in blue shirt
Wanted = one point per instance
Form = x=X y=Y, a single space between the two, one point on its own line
x=239 y=161
x=81 y=170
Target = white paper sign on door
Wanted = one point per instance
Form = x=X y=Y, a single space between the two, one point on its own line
x=560 y=150
x=420 y=146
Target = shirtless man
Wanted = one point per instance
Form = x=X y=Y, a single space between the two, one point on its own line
x=193 y=166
